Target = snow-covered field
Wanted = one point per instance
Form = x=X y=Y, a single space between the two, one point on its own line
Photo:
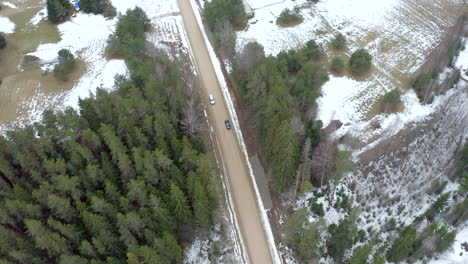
x=397 y=39
x=399 y=34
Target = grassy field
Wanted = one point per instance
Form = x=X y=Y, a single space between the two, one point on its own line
x=19 y=87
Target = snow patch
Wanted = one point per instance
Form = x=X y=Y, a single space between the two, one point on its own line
x=86 y=37
x=6 y=26
x=152 y=8
x=38 y=17
x=10 y=5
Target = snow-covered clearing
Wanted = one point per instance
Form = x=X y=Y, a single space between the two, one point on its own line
x=397 y=39
x=6 y=26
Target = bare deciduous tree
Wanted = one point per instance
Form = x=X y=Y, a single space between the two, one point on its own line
x=227 y=40
x=193 y=121
x=295 y=123
x=323 y=160
x=245 y=60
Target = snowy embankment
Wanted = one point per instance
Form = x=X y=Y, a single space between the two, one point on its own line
x=232 y=112
x=6 y=26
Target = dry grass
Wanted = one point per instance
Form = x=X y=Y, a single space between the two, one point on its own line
x=18 y=88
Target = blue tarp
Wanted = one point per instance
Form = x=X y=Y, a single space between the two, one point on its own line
x=77 y=5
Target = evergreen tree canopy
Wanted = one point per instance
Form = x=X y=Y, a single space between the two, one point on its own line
x=57 y=10
x=110 y=183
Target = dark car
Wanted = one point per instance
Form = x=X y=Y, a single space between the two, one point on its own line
x=228 y=124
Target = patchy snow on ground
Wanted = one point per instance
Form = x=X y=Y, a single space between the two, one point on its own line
x=6 y=26
x=458 y=253
x=86 y=37
x=153 y=8
x=10 y=5
x=39 y=16
x=399 y=34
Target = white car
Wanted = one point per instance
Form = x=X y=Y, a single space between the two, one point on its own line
x=212 y=100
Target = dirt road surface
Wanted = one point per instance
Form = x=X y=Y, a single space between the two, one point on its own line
x=233 y=159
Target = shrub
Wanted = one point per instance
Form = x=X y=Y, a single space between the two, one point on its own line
x=337 y=65
x=360 y=61
x=312 y=50
x=403 y=246
x=393 y=97
x=129 y=37
x=3 y=42
x=217 y=12
x=289 y=17
x=66 y=63
x=342 y=236
x=98 y=7
x=301 y=235
x=57 y=10
x=421 y=83
x=339 y=42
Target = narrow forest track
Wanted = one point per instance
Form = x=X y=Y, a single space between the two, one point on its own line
x=233 y=160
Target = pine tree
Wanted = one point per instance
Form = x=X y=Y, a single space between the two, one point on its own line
x=57 y=10
x=179 y=204
x=403 y=246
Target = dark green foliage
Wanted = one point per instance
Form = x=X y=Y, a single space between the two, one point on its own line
x=403 y=246
x=317 y=208
x=464 y=183
x=302 y=236
x=216 y=12
x=289 y=17
x=454 y=50
x=421 y=83
x=339 y=42
x=342 y=236
x=393 y=97
x=98 y=7
x=360 y=61
x=337 y=65
x=314 y=132
x=110 y=184
x=459 y=215
x=274 y=91
x=129 y=37
x=65 y=65
x=361 y=255
x=444 y=238
x=57 y=10
x=438 y=206
x=3 y=42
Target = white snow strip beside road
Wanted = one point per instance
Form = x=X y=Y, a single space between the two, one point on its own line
x=6 y=26
x=232 y=111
